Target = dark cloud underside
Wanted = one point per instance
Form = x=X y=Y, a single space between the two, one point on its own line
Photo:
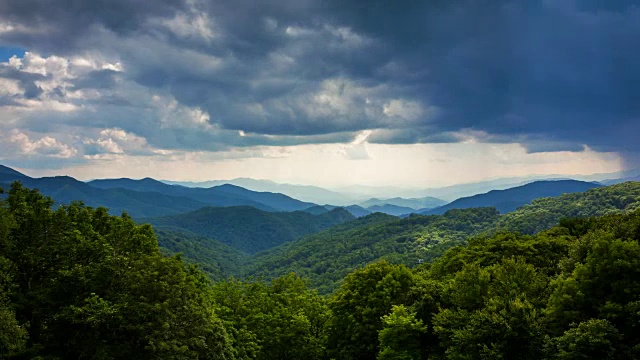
x=553 y=75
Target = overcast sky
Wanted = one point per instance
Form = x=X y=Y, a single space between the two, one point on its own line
x=410 y=93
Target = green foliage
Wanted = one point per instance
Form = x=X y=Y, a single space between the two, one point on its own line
x=605 y=285
x=216 y=259
x=491 y=312
x=89 y=285
x=543 y=251
x=278 y=320
x=327 y=257
x=12 y=335
x=592 y=339
x=248 y=229
x=76 y=282
x=400 y=337
x=357 y=307
x=544 y=213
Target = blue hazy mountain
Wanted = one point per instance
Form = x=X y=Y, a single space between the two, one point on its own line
x=355 y=210
x=65 y=189
x=148 y=197
x=222 y=195
x=391 y=209
x=510 y=199
x=428 y=202
x=307 y=193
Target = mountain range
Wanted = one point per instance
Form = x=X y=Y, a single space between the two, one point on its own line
x=359 y=194
x=427 y=202
x=148 y=197
x=305 y=193
x=221 y=195
x=510 y=199
x=152 y=198
x=231 y=230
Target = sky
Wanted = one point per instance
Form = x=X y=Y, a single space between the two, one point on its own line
x=322 y=92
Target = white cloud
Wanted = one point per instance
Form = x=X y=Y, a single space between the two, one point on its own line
x=56 y=92
x=117 y=141
x=47 y=145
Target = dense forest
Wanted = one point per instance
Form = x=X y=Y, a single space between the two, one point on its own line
x=76 y=282
x=249 y=229
x=325 y=258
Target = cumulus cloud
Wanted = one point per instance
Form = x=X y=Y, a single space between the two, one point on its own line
x=24 y=145
x=117 y=141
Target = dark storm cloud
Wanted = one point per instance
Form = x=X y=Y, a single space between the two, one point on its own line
x=553 y=75
x=56 y=26
x=566 y=69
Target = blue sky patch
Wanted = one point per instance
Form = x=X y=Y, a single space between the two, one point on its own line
x=7 y=52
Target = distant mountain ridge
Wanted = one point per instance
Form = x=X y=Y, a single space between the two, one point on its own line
x=427 y=202
x=355 y=210
x=306 y=193
x=390 y=209
x=7 y=171
x=148 y=197
x=64 y=190
x=222 y=195
x=510 y=199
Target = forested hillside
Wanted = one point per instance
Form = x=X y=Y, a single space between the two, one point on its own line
x=327 y=256
x=216 y=259
x=544 y=213
x=79 y=283
x=249 y=229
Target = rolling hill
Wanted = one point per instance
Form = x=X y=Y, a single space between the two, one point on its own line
x=249 y=229
x=355 y=210
x=544 y=213
x=510 y=199
x=218 y=260
x=10 y=173
x=326 y=257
